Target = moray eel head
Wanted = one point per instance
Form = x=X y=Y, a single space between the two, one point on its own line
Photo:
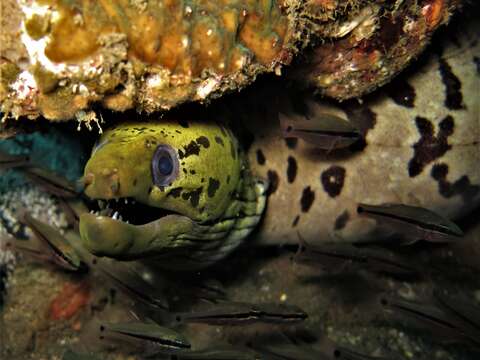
x=171 y=189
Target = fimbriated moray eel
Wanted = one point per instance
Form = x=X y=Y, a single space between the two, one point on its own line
x=191 y=193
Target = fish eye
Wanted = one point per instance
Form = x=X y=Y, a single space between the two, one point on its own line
x=164 y=165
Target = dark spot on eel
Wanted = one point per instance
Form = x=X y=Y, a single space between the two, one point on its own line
x=175 y=192
x=453 y=87
x=361 y=116
x=429 y=147
x=306 y=201
x=462 y=186
x=191 y=149
x=273 y=181
x=193 y=195
x=332 y=180
x=213 y=185
x=260 y=157
x=219 y=140
x=342 y=220
x=203 y=140
x=291 y=169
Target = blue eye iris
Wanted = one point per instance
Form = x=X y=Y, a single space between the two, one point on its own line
x=165 y=165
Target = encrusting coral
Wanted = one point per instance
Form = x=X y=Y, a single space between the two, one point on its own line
x=61 y=58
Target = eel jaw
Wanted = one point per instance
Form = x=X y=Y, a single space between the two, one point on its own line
x=104 y=236
x=176 y=241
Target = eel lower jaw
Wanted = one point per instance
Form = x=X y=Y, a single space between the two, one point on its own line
x=104 y=233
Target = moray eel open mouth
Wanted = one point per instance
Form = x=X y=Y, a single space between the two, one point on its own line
x=130 y=211
x=177 y=191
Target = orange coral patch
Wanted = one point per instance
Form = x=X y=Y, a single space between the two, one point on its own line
x=186 y=39
x=325 y=4
x=433 y=13
x=69 y=301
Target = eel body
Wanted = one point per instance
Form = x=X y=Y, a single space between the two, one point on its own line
x=203 y=194
x=422 y=148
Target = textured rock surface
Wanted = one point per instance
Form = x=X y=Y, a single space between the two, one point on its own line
x=369 y=45
x=60 y=59
x=148 y=55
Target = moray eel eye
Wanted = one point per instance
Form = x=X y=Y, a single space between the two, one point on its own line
x=164 y=165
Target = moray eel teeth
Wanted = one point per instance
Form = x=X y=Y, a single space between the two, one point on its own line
x=179 y=192
x=129 y=210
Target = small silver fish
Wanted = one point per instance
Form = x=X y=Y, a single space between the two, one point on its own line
x=209 y=290
x=445 y=320
x=326 y=132
x=236 y=313
x=55 y=245
x=346 y=257
x=150 y=335
x=72 y=208
x=465 y=314
x=415 y=223
x=132 y=284
x=51 y=182
x=8 y=161
x=218 y=354
x=292 y=352
x=25 y=247
x=324 y=350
